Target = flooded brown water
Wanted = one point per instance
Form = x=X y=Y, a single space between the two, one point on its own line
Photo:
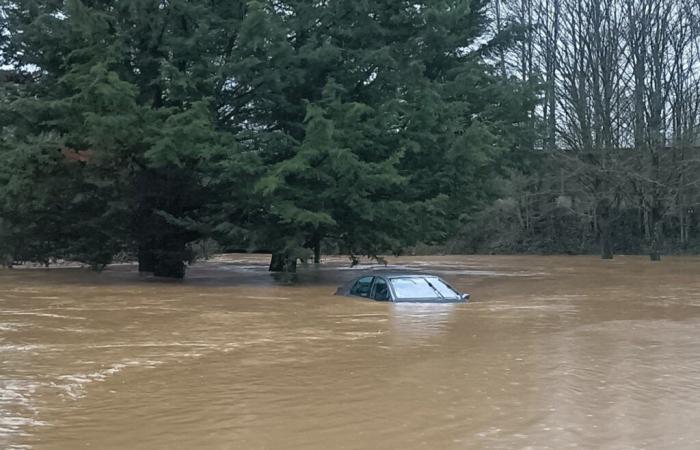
x=552 y=353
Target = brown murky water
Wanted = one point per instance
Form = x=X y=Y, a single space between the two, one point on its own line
x=553 y=352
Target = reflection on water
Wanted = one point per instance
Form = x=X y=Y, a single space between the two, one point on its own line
x=413 y=321
x=553 y=352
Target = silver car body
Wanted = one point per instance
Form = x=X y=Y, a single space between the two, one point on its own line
x=402 y=287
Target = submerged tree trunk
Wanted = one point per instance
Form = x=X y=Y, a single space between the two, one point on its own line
x=170 y=265
x=147 y=259
x=164 y=256
x=164 y=260
x=170 y=258
x=681 y=225
x=276 y=263
x=655 y=242
x=603 y=215
x=605 y=245
x=282 y=262
x=204 y=248
x=317 y=251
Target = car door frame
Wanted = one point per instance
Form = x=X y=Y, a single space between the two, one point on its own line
x=369 y=292
x=388 y=288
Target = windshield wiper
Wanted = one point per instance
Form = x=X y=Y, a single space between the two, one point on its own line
x=434 y=288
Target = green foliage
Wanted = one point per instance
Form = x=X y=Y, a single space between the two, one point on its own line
x=373 y=121
x=143 y=126
x=335 y=185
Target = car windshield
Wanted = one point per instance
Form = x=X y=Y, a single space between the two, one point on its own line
x=422 y=287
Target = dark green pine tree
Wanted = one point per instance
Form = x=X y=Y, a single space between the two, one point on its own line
x=177 y=55
x=342 y=183
x=119 y=119
x=55 y=203
x=373 y=119
x=143 y=125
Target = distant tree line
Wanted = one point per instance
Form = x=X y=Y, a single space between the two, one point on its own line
x=618 y=129
x=139 y=127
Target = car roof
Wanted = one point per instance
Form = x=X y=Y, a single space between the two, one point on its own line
x=398 y=275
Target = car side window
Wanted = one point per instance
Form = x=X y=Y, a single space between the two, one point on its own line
x=362 y=287
x=381 y=290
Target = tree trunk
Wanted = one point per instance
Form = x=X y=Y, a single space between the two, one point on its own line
x=147 y=259
x=551 y=87
x=170 y=259
x=501 y=53
x=605 y=245
x=317 y=251
x=281 y=262
x=655 y=243
x=204 y=248
x=603 y=213
x=682 y=221
x=169 y=265
x=681 y=226
x=647 y=225
x=276 y=263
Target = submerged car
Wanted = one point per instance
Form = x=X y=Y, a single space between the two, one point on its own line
x=417 y=288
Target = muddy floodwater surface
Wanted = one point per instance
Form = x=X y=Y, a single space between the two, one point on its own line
x=552 y=353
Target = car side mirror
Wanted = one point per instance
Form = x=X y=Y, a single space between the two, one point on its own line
x=465 y=297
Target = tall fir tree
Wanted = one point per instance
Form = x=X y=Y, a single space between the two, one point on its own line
x=143 y=125
x=373 y=119
x=126 y=86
